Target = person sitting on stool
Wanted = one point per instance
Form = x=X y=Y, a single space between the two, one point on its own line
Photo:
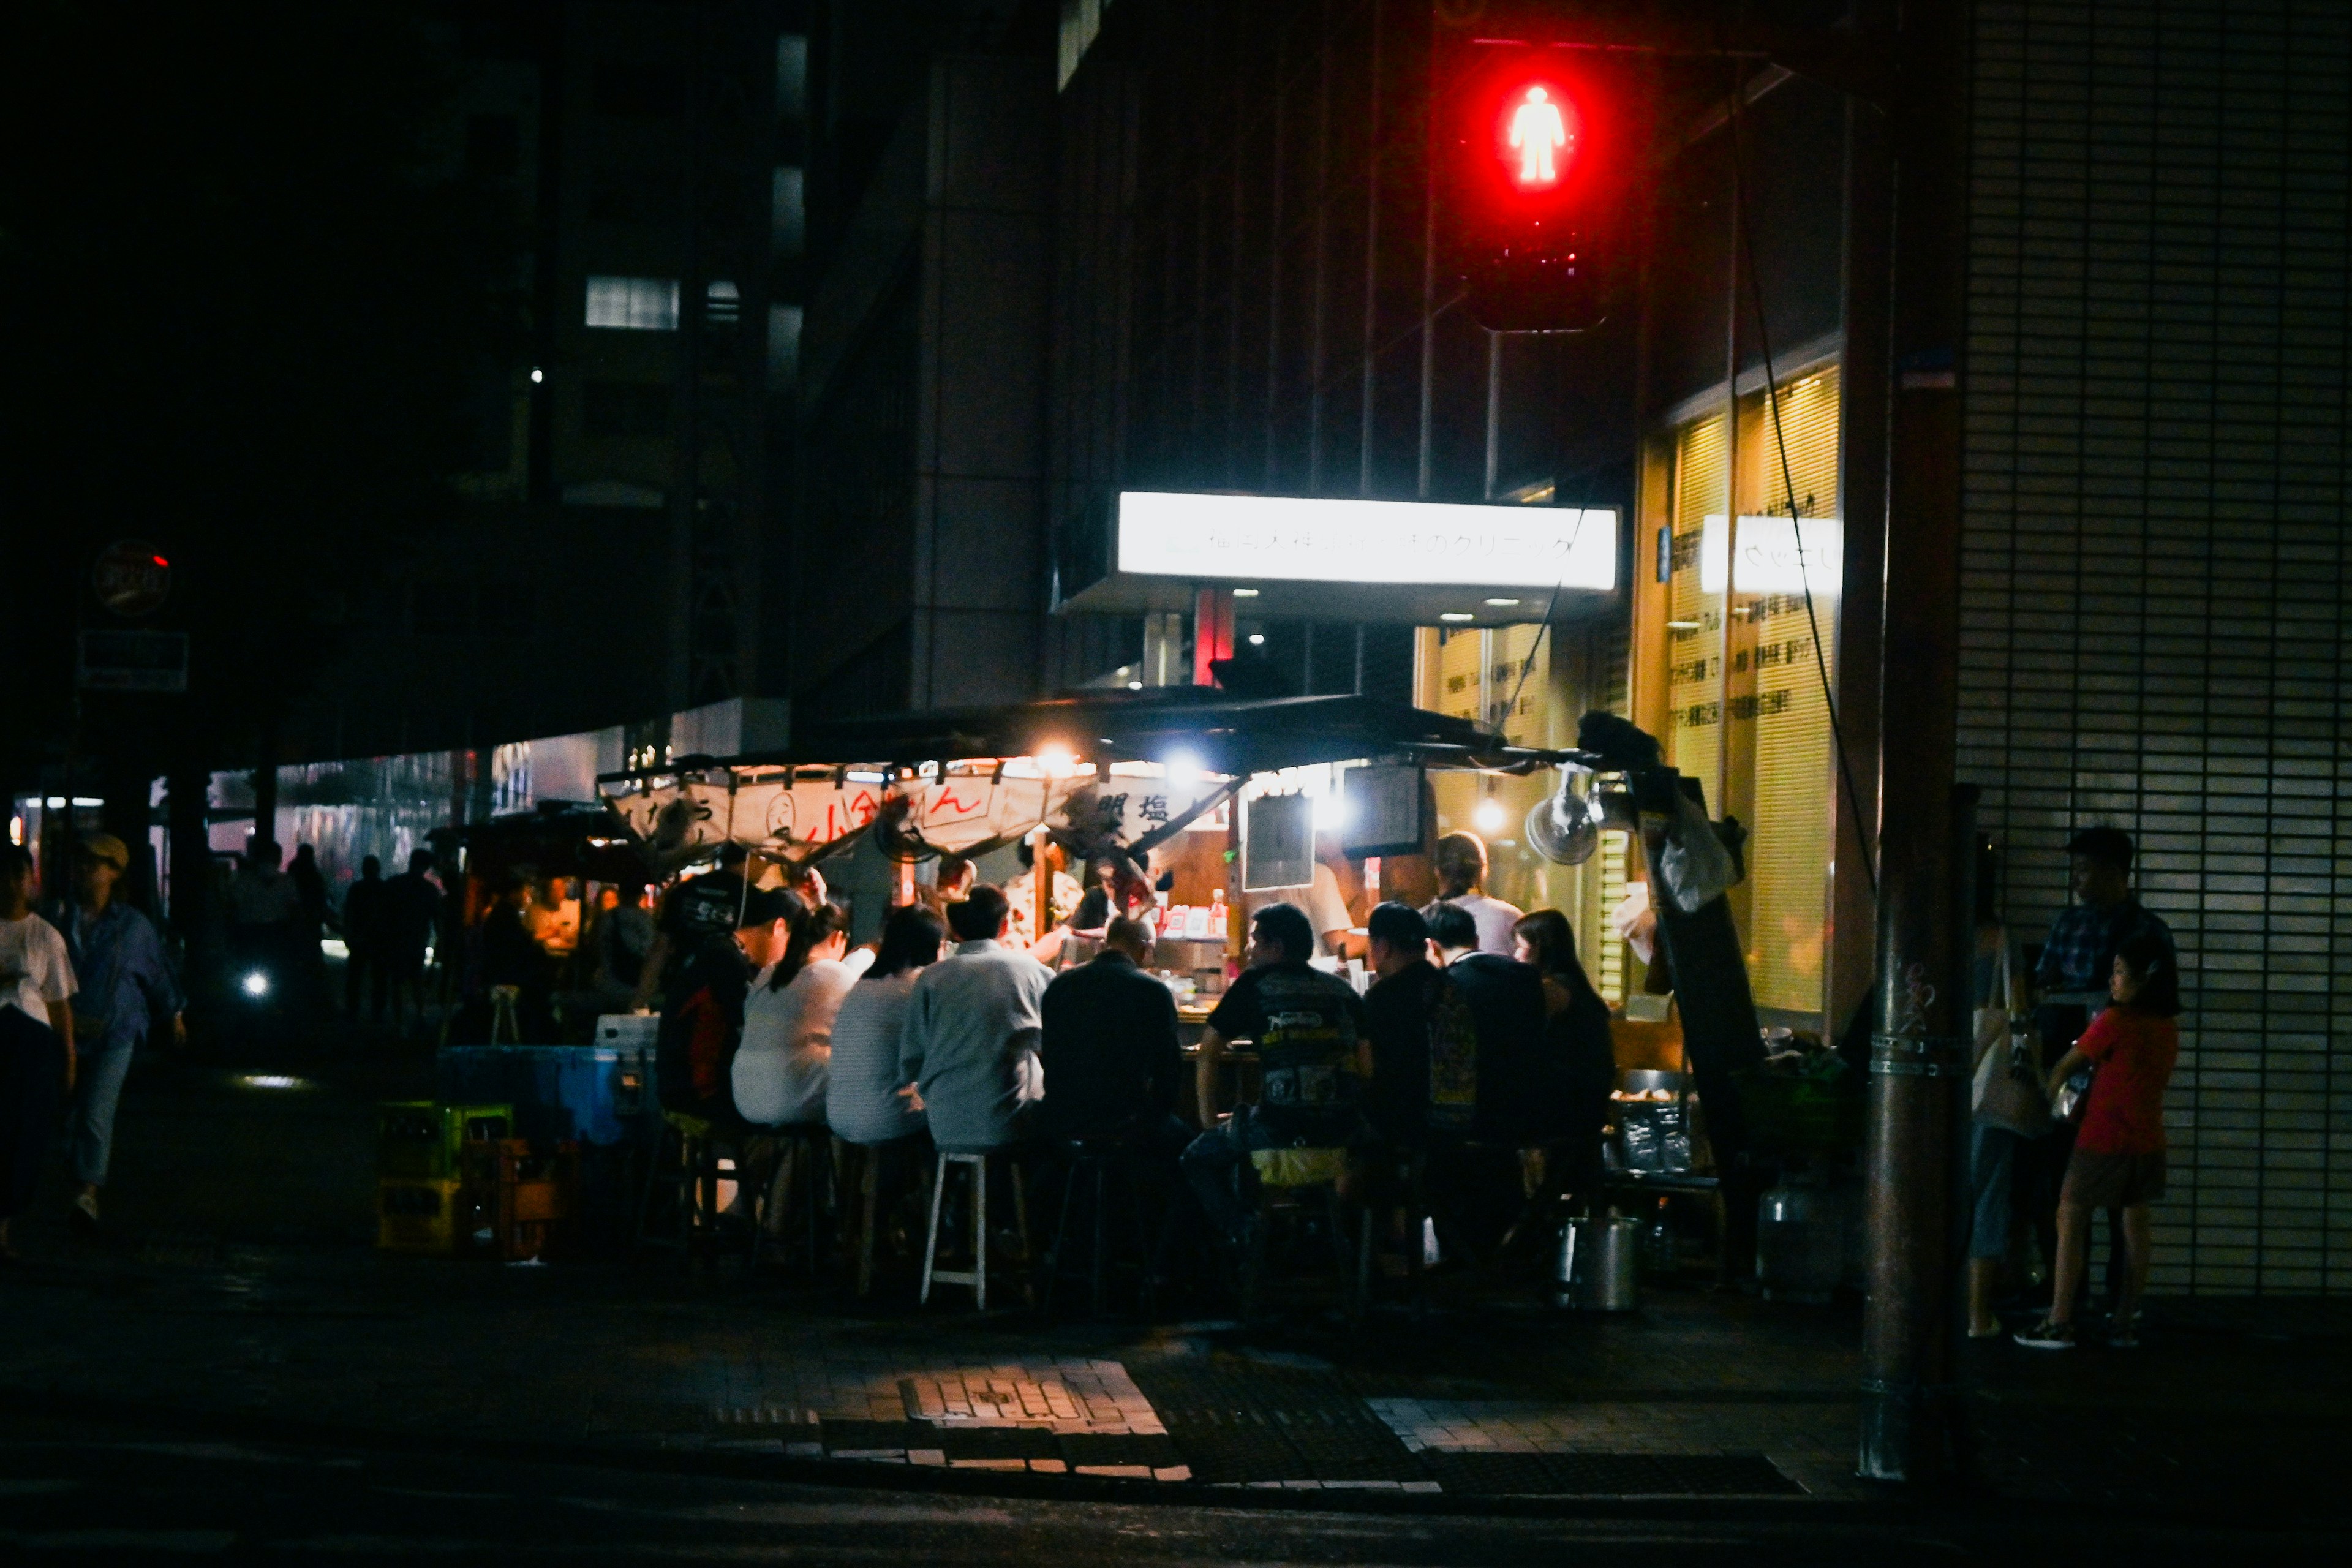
x=1110 y=1047
x=1305 y=1023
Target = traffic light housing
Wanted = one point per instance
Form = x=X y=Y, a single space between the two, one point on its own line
x=1539 y=149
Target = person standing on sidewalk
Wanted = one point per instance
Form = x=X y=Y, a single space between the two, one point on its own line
x=366 y=906
x=2071 y=984
x=2118 y=1159
x=128 y=994
x=411 y=907
x=36 y=1042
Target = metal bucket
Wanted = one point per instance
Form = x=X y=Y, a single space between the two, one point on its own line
x=1597 y=1269
x=1799 y=1242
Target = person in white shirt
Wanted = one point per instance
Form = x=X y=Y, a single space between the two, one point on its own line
x=36 y=1035
x=780 y=1069
x=866 y=1098
x=969 y=1044
x=1461 y=880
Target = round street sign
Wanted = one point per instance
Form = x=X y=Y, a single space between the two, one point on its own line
x=131 y=578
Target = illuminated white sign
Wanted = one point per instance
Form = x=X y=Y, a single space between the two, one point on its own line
x=1432 y=544
x=1770 y=560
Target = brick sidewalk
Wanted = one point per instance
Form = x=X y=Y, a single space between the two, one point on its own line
x=1699 y=1396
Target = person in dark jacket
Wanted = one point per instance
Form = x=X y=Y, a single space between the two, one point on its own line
x=1112 y=1060
x=365 y=911
x=512 y=956
x=1506 y=997
x=1579 y=1061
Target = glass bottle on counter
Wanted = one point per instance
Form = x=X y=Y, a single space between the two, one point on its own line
x=1218 y=927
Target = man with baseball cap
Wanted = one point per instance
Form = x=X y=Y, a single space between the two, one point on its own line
x=127 y=991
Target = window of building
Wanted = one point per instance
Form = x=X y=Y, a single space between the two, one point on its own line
x=784 y=345
x=723 y=304
x=788 y=213
x=639 y=89
x=493 y=147
x=1749 y=589
x=792 y=77
x=624 y=410
x=627 y=188
x=633 y=304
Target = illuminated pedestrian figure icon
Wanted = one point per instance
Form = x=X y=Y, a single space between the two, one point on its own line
x=1536 y=129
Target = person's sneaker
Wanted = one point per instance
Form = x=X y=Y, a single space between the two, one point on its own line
x=84 y=1213
x=2047 y=1335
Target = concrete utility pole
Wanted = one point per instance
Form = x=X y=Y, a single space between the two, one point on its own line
x=1918 y=1058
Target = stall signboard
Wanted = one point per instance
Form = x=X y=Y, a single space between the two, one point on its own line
x=791 y=812
x=1207 y=537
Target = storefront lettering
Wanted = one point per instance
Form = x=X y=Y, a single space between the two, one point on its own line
x=1766 y=703
x=1698 y=715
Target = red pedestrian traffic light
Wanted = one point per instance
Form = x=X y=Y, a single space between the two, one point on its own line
x=1535 y=182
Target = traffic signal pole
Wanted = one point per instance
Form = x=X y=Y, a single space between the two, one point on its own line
x=1922 y=1013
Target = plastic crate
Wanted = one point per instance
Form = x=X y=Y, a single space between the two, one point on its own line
x=531 y=1194
x=431 y=1217
x=424 y=1139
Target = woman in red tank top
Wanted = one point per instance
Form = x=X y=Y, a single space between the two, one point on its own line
x=2118 y=1159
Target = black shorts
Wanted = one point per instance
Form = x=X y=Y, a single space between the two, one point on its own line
x=2097 y=1181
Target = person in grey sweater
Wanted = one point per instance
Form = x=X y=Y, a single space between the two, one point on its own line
x=969 y=1042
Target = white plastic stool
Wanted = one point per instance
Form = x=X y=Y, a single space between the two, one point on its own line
x=977 y=1276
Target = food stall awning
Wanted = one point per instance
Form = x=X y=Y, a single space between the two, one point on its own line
x=1213 y=730
x=1337 y=559
x=960 y=779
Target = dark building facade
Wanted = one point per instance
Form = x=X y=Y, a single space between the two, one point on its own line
x=615 y=547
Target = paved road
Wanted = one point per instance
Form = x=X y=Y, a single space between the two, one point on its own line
x=84 y=1491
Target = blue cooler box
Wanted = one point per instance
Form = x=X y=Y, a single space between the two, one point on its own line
x=588 y=1094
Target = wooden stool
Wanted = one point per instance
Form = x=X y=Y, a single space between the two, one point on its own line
x=804 y=1168
x=976 y=1161
x=684 y=1165
x=1097 y=1166
x=1286 y=1178
x=504 y=1001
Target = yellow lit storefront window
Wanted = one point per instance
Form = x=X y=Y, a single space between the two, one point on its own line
x=1533 y=689
x=1744 y=706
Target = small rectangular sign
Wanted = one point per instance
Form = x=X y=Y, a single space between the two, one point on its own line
x=1312 y=540
x=1771 y=559
x=132 y=661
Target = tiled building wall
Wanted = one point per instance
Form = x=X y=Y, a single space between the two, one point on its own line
x=2156 y=559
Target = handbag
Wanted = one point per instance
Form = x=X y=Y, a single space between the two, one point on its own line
x=2067 y=1106
x=2008 y=1084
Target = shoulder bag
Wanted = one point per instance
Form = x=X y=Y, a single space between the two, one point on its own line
x=2008 y=1086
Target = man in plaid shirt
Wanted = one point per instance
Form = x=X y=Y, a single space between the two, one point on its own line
x=2081 y=949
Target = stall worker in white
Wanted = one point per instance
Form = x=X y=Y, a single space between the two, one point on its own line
x=1461 y=881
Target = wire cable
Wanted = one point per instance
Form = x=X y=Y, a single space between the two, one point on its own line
x=1787 y=484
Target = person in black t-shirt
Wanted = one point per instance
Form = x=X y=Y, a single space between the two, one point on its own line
x=1308 y=1026
x=1397 y=1011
